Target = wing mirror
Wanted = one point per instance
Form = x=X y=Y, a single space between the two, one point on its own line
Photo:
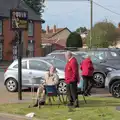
x=103 y=61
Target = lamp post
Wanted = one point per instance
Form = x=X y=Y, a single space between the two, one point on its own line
x=91 y=21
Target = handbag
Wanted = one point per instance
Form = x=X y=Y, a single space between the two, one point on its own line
x=81 y=83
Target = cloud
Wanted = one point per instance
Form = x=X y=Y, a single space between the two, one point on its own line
x=76 y=14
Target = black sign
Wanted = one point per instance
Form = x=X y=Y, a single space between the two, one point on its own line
x=19 y=20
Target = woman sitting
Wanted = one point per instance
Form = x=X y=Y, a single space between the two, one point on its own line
x=51 y=78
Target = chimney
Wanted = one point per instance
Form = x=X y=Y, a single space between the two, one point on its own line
x=54 y=29
x=47 y=29
x=118 y=25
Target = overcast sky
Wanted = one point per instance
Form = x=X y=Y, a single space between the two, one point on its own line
x=75 y=14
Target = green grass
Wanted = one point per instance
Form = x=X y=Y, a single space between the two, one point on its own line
x=96 y=109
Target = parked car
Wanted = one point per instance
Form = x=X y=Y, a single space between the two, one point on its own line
x=101 y=67
x=109 y=55
x=33 y=68
x=113 y=83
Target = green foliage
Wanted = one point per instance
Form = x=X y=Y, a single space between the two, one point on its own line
x=103 y=35
x=81 y=30
x=74 y=40
x=36 y=5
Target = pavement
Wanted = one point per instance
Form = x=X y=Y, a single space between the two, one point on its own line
x=4 y=116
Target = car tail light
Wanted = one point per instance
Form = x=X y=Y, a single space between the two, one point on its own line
x=6 y=69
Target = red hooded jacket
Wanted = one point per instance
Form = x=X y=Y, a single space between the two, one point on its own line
x=87 y=67
x=71 y=71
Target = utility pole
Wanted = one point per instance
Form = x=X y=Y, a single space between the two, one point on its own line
x=91 y=21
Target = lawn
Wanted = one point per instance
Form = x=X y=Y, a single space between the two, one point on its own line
x=96 y=109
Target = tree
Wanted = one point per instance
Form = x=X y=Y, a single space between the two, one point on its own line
x=103 y=35
x=74 y=40
x=81 y=30
x=36 y=5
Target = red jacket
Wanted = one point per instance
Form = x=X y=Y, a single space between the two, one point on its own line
x=87 y=67
x=71 y=71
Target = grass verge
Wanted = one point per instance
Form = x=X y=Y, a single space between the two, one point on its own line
x=96 y=109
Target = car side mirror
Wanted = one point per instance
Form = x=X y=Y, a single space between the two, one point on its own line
x=103 y=61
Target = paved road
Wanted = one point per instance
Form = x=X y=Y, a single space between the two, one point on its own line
x=1 y=79
x=11 y=97
x=11 y=117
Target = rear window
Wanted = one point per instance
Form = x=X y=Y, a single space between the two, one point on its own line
x=24 y=65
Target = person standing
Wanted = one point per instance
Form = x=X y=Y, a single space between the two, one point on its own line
x=87 y=74
x=71 y=79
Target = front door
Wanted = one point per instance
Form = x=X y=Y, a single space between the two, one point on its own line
x=37 y=69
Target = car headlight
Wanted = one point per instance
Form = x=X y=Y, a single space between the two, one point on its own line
x=110 y=69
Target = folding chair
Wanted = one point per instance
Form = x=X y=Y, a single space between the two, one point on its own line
x=35 y=81
x=51 y=92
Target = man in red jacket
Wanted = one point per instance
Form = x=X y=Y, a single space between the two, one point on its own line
x=71 y=79
x=87 y=74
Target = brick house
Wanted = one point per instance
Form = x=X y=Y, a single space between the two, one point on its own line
x=56 y=37
x=31 y=38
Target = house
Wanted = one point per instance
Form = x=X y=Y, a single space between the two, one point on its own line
x=31 y=38
x=56 y=37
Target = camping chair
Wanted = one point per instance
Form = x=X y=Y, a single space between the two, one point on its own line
x=51 y=92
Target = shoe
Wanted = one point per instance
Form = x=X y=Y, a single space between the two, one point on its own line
x=42 y=103
x=70 y=104
x=76 y=104
x=85 y=94
x=35 y=105
x=89 y=94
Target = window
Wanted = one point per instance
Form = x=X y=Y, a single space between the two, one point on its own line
x=24 y=65
x=30 y=48
x=1 y=27
x=38 y=65
x=57 y=63
x=115 y=55
x=1 y=51
x=30 y=29
x=59 y=56
x=100 y=54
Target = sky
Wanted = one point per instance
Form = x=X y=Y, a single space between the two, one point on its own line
x=76 y=13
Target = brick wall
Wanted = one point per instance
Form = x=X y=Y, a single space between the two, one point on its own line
x=8 y=36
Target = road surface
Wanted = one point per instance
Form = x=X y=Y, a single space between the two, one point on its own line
x=11 y=97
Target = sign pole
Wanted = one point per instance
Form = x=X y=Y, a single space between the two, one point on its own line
x=19 y=66
x=19 y=23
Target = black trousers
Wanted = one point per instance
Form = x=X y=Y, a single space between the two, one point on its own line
x=72 y=92
x=88 y=83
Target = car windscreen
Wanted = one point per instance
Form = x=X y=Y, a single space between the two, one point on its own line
x=57 y=63
x=93 y=58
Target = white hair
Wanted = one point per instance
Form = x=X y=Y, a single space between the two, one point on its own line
x=68 y=53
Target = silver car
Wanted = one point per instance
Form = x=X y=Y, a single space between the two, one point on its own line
x=33 y=68
x=113 y=83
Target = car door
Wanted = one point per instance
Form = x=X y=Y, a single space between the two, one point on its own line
x=37 y=69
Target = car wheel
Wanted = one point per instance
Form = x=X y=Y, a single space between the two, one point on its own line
x=99 y=79
x=115 y=89
x=11 y=85
x=62 y=88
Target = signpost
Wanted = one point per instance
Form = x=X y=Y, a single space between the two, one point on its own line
x=19 y=23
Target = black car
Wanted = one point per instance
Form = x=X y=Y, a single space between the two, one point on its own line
x=109 y=55
x=101 y=67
